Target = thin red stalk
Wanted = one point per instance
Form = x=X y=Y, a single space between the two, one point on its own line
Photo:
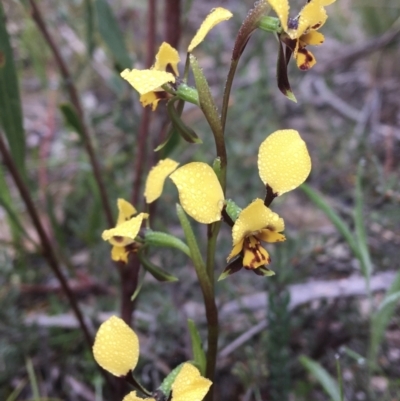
x=141 y=150
x=73 y=94
x=173 y=22
x=47 y=248
x=129 y=273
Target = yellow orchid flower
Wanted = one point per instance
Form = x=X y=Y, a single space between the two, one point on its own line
x=255 y=223
x=283 y=164
x=116 y=347
x=149 y=82
x=123 y=235
x=301 y=31
x=283 y=161
x=200 y=192
x=189 y=385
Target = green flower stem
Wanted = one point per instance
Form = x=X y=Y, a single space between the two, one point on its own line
x=227 y=92
x=213 y=230
x=208 y=295
x=210 y=111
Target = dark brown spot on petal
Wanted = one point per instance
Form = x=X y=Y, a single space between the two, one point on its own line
x=316 y=26
x=309 y=58
x=118 y=238
x=254 y=248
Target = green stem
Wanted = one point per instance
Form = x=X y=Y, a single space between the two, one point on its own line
x=227 y=92
x=213 y=230
x=208 y=296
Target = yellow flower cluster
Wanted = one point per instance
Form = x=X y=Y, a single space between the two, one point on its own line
x=149 y=82
x=283 y=164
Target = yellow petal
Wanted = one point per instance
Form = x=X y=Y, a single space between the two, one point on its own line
x=235 y=250
x=119 y=254
x=283 y=161
x=167 y=56
x=126 y=211
x=116 y=347
x=312 y=16
x=281 y=8
x=155 y=179
x=133 y=397
x=216 y=16
x=253 y=219
x=269 y=235
x=305 y=59
x=150 y=98
x=312 y=38
x=255 y=255
x=200 y=192
x=145 y=81
x=125 y=233
x=189 y=385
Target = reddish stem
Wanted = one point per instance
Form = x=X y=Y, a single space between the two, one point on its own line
x=173 y=22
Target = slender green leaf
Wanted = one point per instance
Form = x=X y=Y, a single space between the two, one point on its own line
x=389 y=300
x=157 y=238
x=71 y=118
x=381 y=319
x=6 y=202
x=186 y=132
x=158 y=273
x=32 y=379
x=353 y=355
x=190 y=237
x=197 y=350
x=10 y=102
x=339 y=377
x=89 y=20
x=327 y=382
x=142 y=274
x=111 y=34
x=166 y=385
x=336 y=220
x=195 y=253
x=207 y=103
x=15 y=394
x=365 y=259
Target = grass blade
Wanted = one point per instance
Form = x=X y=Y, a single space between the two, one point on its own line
x=10 y=102
x=324 y=378
x=365 y=259
x=197 y=350
x=111 y=34
x=32 y=379
x=336 y=220
x=381 y=319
